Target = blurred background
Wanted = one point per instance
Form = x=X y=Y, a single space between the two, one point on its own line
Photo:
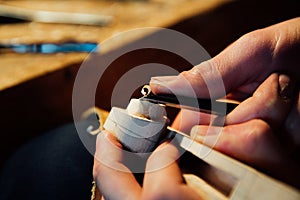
x=36 y=87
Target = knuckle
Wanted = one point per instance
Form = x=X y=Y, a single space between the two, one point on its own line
x=192 y=75
x=256 y=136
x=252 y=38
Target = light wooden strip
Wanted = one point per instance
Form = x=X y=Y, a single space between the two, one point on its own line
x=54 y=16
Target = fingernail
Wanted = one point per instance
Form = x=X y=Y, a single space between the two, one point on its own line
x=200 y=134
x=107 y=135
x=162 y=80
x=197 y=131
x=162 y=84
x=286 y=87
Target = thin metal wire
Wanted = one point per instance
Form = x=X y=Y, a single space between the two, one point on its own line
x=146 y=90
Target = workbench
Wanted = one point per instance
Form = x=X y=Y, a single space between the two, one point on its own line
x=36 y=89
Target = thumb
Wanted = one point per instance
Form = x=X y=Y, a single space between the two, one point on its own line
x=243 y=63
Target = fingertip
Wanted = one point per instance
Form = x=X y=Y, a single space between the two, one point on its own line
x=208 y=135
x=199 y=81
x=108 y=148
x=163 y=156
x=106 y=136
x=161 y=84
x=187 y=83
x=198 y=131
x=110 y=136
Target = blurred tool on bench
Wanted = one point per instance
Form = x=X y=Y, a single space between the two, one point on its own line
x=54 y=16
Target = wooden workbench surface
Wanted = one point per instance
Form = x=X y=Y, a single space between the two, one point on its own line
x=18 y=68
x=36 y=90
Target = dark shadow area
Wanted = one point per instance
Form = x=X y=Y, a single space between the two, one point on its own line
x=34 y=107
x=53 y=166
x=10 y=20
x=216 y=29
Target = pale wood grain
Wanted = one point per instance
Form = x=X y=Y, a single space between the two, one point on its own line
x=16 y=69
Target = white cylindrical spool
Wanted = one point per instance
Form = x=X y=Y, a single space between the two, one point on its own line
x=136 y=132
x=146 y=109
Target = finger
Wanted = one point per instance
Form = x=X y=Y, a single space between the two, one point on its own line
x=271 y=102
x=243 y=92
x=163 y=178
x=113 y=178
x=252 y=142
x=237 y=65
x=250 y=59
x=194 y=118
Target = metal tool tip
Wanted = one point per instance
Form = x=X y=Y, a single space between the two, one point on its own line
x=146 y=90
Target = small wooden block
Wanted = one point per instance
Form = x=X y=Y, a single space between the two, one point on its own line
x=136 y=132
x=146 y=109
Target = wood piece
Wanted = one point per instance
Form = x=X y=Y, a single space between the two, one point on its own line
x=203 y=188
x=21 y=68
x=95 y=114
x=223 y=177
x=227 y=177
x=127 y=15
x=54 y=16
x=245 y=181
x=145 y=109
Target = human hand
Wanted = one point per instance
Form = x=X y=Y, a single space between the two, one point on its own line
x=115 y=180
x=264 y=129
x=242 y=66
x=252 y=132
x=257 y=131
